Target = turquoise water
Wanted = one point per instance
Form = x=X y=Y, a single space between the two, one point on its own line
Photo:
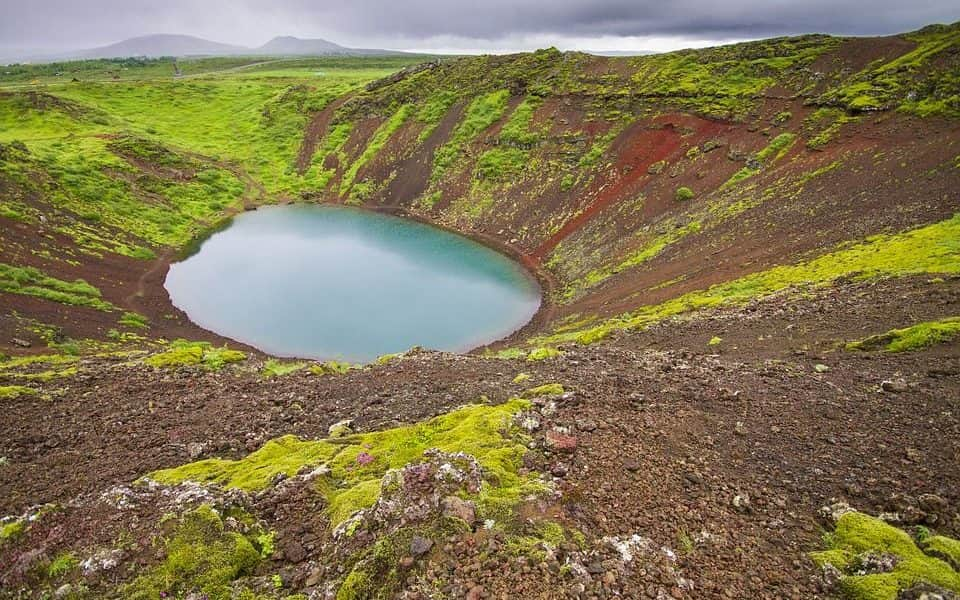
x=330 y=282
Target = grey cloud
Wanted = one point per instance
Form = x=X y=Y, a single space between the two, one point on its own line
x=65 y=23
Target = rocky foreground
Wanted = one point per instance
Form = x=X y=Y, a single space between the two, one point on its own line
x=619 y=469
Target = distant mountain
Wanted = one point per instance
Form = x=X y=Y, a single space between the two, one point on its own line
x=187 y=45
x=161 y=45
x=292 y=46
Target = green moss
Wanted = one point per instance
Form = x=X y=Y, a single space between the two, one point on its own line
x=591 y=336
x=12 y=392
x=930 y=249
x=331 y=367
x=502 y=163
x=915 y=337
x=431 y=112
x=543 y=353
x=63 y=564
x=376 y=144
x=773 y=152
x=200 y=556
x=176 y=357
x=483 y=112
x=715 y=341
x=32 y=282
x=387 y=358
x=183 y=353
x=548 y=389
x=857 y=535
x=943 y=547
x=134 y=320
x=644 y=253
x=356 y=586
x=521 y=377
x=782 y=117
x=478 y=430
x=509 y=354
x=684 y=193
x=9 y=532
x=278 y=368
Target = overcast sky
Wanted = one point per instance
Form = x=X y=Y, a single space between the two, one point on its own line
x=456 y=25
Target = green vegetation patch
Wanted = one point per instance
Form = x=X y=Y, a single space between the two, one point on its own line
x=930 y=249
x=12 y=530
x=134 y=320
x=33 y=282
x=183 y=353
x=357 y=463
x=279 y=368
x=858 y=538
x=775 y=150
x=376 y=144
x=201 y=556
x=12 y=392
x=483 y=112
x=924 y=81
x=915 y=337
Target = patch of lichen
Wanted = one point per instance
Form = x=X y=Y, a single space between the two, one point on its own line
x=200 y=556
x=930 y=249
x=353 y=481
x=916 y=337
x=183 y=353
x=857 y=536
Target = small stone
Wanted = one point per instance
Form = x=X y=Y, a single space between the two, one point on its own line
x=195 y=450
x=420 y=545
x=932 y=503
x=586 y=425
x=293 y=551
x=821 y=368
x=475 y=593
x=631 y=464
x=63 y=591
x=459 y=508
x=558 y=470
x=21 y=343
x=610 y=578
x=894 y=386
x=740 y=428
x=315 y=577
x=340 y=428
x=913 y=455
x=741 y=502
x=406 y=562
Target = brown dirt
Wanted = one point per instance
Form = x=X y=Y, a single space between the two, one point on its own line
x=665 y=439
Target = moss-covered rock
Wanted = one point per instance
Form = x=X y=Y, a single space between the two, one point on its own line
x=876 y=560
x=201 y=556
